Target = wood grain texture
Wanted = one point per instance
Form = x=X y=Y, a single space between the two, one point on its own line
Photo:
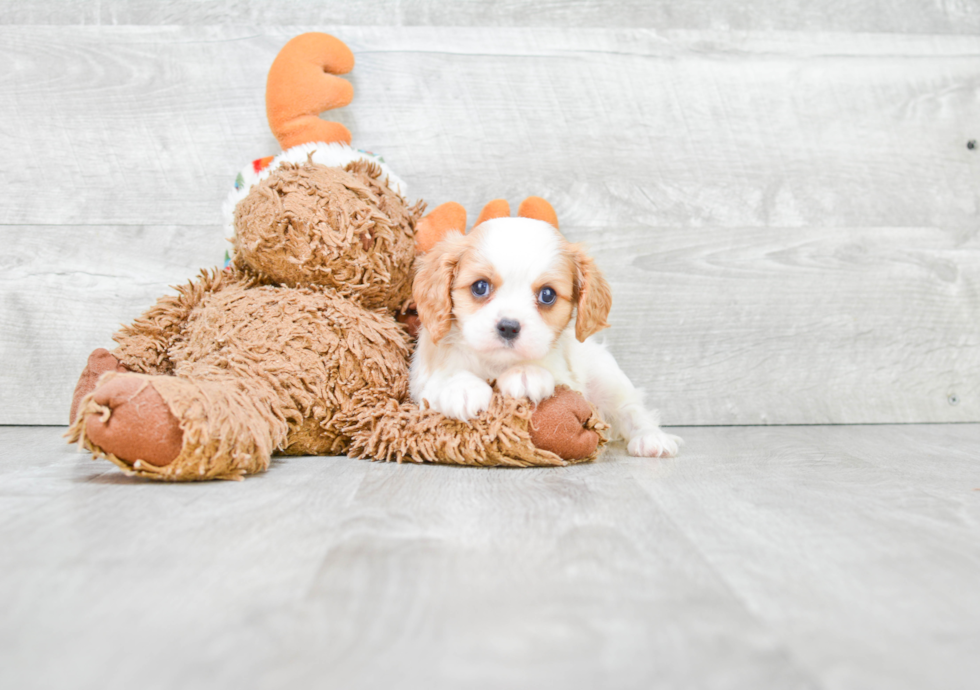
x=797 y=325
x=841 y=557
x=789 y=219
x=897 y=16
x=617 y=127
x=65 y=290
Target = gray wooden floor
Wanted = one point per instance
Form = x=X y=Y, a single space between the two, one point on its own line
x=782 y=557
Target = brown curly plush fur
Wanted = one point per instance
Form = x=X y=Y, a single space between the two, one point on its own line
x=503 y=435
x=339 y=228
x=294 y=349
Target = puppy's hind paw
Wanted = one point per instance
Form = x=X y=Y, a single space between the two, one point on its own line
x=654 y=444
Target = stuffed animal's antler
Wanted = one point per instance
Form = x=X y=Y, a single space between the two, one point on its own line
x=301 y=85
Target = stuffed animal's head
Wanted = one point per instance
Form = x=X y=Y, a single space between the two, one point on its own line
x=312 y=225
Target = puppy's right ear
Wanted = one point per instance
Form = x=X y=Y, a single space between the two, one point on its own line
x=432 y=289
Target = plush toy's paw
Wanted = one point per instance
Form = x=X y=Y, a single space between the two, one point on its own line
x=527 y=381
x=462 y=397
x=99 y=362
x=136 y=423
x=655 y=443
x=560 y=425
x=409 y=318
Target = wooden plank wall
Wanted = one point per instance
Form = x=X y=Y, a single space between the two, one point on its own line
x=782 y=196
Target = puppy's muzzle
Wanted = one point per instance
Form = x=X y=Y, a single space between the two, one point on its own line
x=508 y=329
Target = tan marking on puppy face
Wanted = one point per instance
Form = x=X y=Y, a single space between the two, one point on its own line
x=561 y=279
x=473 y=267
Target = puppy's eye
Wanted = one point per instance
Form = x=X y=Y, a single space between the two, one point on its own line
x=547 y=296
x=480 y=288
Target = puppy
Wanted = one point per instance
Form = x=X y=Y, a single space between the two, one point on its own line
x=514 y=302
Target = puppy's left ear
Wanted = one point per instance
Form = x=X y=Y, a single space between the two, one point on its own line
x=432 y=289
x=593 y=296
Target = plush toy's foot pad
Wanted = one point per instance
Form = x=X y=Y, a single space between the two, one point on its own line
x=99 y=362
x=564 y=425
x=135 y=424
x=173 y=429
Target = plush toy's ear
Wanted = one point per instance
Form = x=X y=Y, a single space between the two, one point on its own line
x=592 y=295
x=432 y=289
x=498 y=208
x=539 y=209
x=435 y=225
x=301 y=85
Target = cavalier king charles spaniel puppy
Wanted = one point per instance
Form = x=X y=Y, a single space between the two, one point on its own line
x=515 y=303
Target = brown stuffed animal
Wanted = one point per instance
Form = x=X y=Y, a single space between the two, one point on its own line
x=295 y=347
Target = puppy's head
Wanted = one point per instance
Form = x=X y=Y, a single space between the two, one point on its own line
x=511 y=286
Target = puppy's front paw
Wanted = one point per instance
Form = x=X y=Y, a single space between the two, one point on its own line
x=462 y=397
x=654 y=444
x=527 y=381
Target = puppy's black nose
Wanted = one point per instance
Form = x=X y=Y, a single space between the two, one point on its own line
x=508 y=328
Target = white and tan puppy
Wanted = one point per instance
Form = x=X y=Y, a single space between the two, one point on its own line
x=514 y=302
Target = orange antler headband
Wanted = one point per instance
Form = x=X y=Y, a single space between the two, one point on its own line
x=451 y=216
